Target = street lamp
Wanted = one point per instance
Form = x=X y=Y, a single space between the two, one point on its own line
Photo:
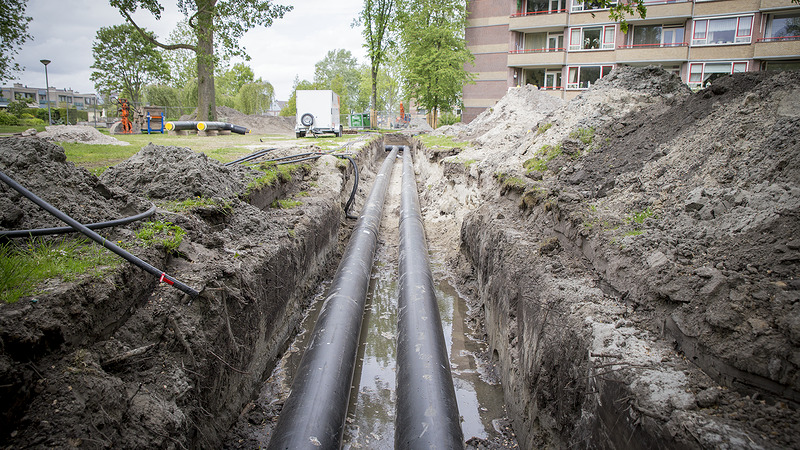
x=47 y=89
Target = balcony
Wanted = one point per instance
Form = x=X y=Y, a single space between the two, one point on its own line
x=541 y=57
x=658 y=10
x=538 y=21
x=657 y=53
x=783 y=47
x=767 y=5
x=708 y=8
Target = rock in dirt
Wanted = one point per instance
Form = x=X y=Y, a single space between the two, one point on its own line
x=78 y=133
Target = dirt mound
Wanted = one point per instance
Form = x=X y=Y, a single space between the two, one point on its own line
x=78 y=133
x=177 y=173
x=256 y=124
x=519 y=111
x=35 y=164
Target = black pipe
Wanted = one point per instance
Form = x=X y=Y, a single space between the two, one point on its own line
x=96 y=237
x=180 y=125
x=314 y=414
x=355 y=188
x=251 y=156
x=427 y=411
x=62 y=230
x=207 y=126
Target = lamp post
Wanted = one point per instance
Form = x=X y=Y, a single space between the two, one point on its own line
x=47 y=90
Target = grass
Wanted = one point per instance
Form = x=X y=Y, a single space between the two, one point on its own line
x=23 y=269
x=440 y=141
x=19 y=128
x=543 y=127
x=273 y=173
x=161 y=234
x=510 y=183
x=470 y=162
x=197 y=202
x=639 y=217
x=539 y=163
x=585 y=135
x=286 y=204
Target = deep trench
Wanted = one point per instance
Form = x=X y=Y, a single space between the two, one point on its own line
x=371 y=412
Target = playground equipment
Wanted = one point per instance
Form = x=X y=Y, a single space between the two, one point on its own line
x=124 y=110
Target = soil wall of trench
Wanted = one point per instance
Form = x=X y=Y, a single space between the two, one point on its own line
x=125 y=362
x=616 y=330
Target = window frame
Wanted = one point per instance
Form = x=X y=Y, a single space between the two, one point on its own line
x=702 y=72
x=738 y=39
x=605 y=69
x=605 y=30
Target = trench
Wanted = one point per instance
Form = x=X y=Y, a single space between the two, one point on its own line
x=371 y=412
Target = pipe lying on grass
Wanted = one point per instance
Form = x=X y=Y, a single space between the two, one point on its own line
x=314 y=414
x=62 y=230
x=96 y=237
x=427 y=411
x=184 y=125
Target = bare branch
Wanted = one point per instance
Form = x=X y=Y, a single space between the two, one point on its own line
x=153 y=40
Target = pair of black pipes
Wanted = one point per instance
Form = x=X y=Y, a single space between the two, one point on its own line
x=313 y=416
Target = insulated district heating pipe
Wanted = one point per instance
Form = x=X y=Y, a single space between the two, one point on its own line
x=180 y=125
x=427 y=411
x=207 y=126
x=96 y=237
x=314 y=414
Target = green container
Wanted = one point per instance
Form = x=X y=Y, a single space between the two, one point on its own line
x=365 y=120
x=355 y=120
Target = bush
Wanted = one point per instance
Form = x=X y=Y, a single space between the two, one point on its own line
x=449 y=118
x=8 y=119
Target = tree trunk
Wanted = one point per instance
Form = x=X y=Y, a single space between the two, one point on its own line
x=206 y=104
x=373 y=117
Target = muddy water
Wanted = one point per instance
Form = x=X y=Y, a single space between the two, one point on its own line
x=370 y=418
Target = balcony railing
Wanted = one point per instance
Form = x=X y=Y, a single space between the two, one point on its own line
x=778 y=39
x=671 y=44
x=663 y=2
x=536 y=50
x=552 y=11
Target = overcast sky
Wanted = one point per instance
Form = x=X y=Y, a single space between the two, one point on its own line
x=63 y=32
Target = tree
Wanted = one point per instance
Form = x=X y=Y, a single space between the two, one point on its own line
x=13 y=33
x=125 y=61
x=376 y=16
x=339 y=71
x=229 y=82
x=255 y=98
x=182 y=62
x=434 y=52
x=227 y=20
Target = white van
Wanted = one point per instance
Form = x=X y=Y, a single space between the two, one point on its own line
x=317 y=113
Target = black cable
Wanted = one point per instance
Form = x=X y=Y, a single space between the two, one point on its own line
x=355 y=188
x=251 y=156
x=96 y=237
x=11 y=234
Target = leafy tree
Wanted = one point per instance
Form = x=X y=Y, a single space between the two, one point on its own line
x=182 y=62
x=338 y=71
x=226 y=20
x=125 y=61
x=229 y=82
x=13 y=33
x=376 y=16
x=255 y=98
x=434 y=52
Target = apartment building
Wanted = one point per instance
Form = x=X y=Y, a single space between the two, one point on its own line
x=564 y=46
x=37 y=97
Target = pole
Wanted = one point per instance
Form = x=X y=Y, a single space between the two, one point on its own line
x=47 y=90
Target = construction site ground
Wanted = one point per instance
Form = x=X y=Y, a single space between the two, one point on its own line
x=631 y=259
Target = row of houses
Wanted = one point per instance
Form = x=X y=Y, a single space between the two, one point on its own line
x=564 y=46
x=38 y=97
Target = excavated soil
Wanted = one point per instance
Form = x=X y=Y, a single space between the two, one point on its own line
x=256 y=124
x=126 y=362
x=635 y=261
x=78 y=133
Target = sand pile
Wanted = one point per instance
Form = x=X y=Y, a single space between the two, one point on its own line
x=78 y=133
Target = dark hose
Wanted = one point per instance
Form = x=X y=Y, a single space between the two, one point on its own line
x=427 y=411
x=314 y=414
x=96 y=237
x=62 y=230
x=251 y=156
x=355 y=188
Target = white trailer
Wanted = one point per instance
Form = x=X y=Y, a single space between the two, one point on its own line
x=317 y=113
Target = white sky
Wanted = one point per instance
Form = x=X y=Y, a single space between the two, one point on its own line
x=63 y=32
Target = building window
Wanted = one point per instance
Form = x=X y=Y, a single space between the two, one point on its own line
x=582 y=77
x=555 y=42
x=729 y=30
x=583 y=5
x=657 y=36
x=552 y=80
x=783 y=27
x=28 y=96
x=702 y=74
x=592 y=38
x=541 y=7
